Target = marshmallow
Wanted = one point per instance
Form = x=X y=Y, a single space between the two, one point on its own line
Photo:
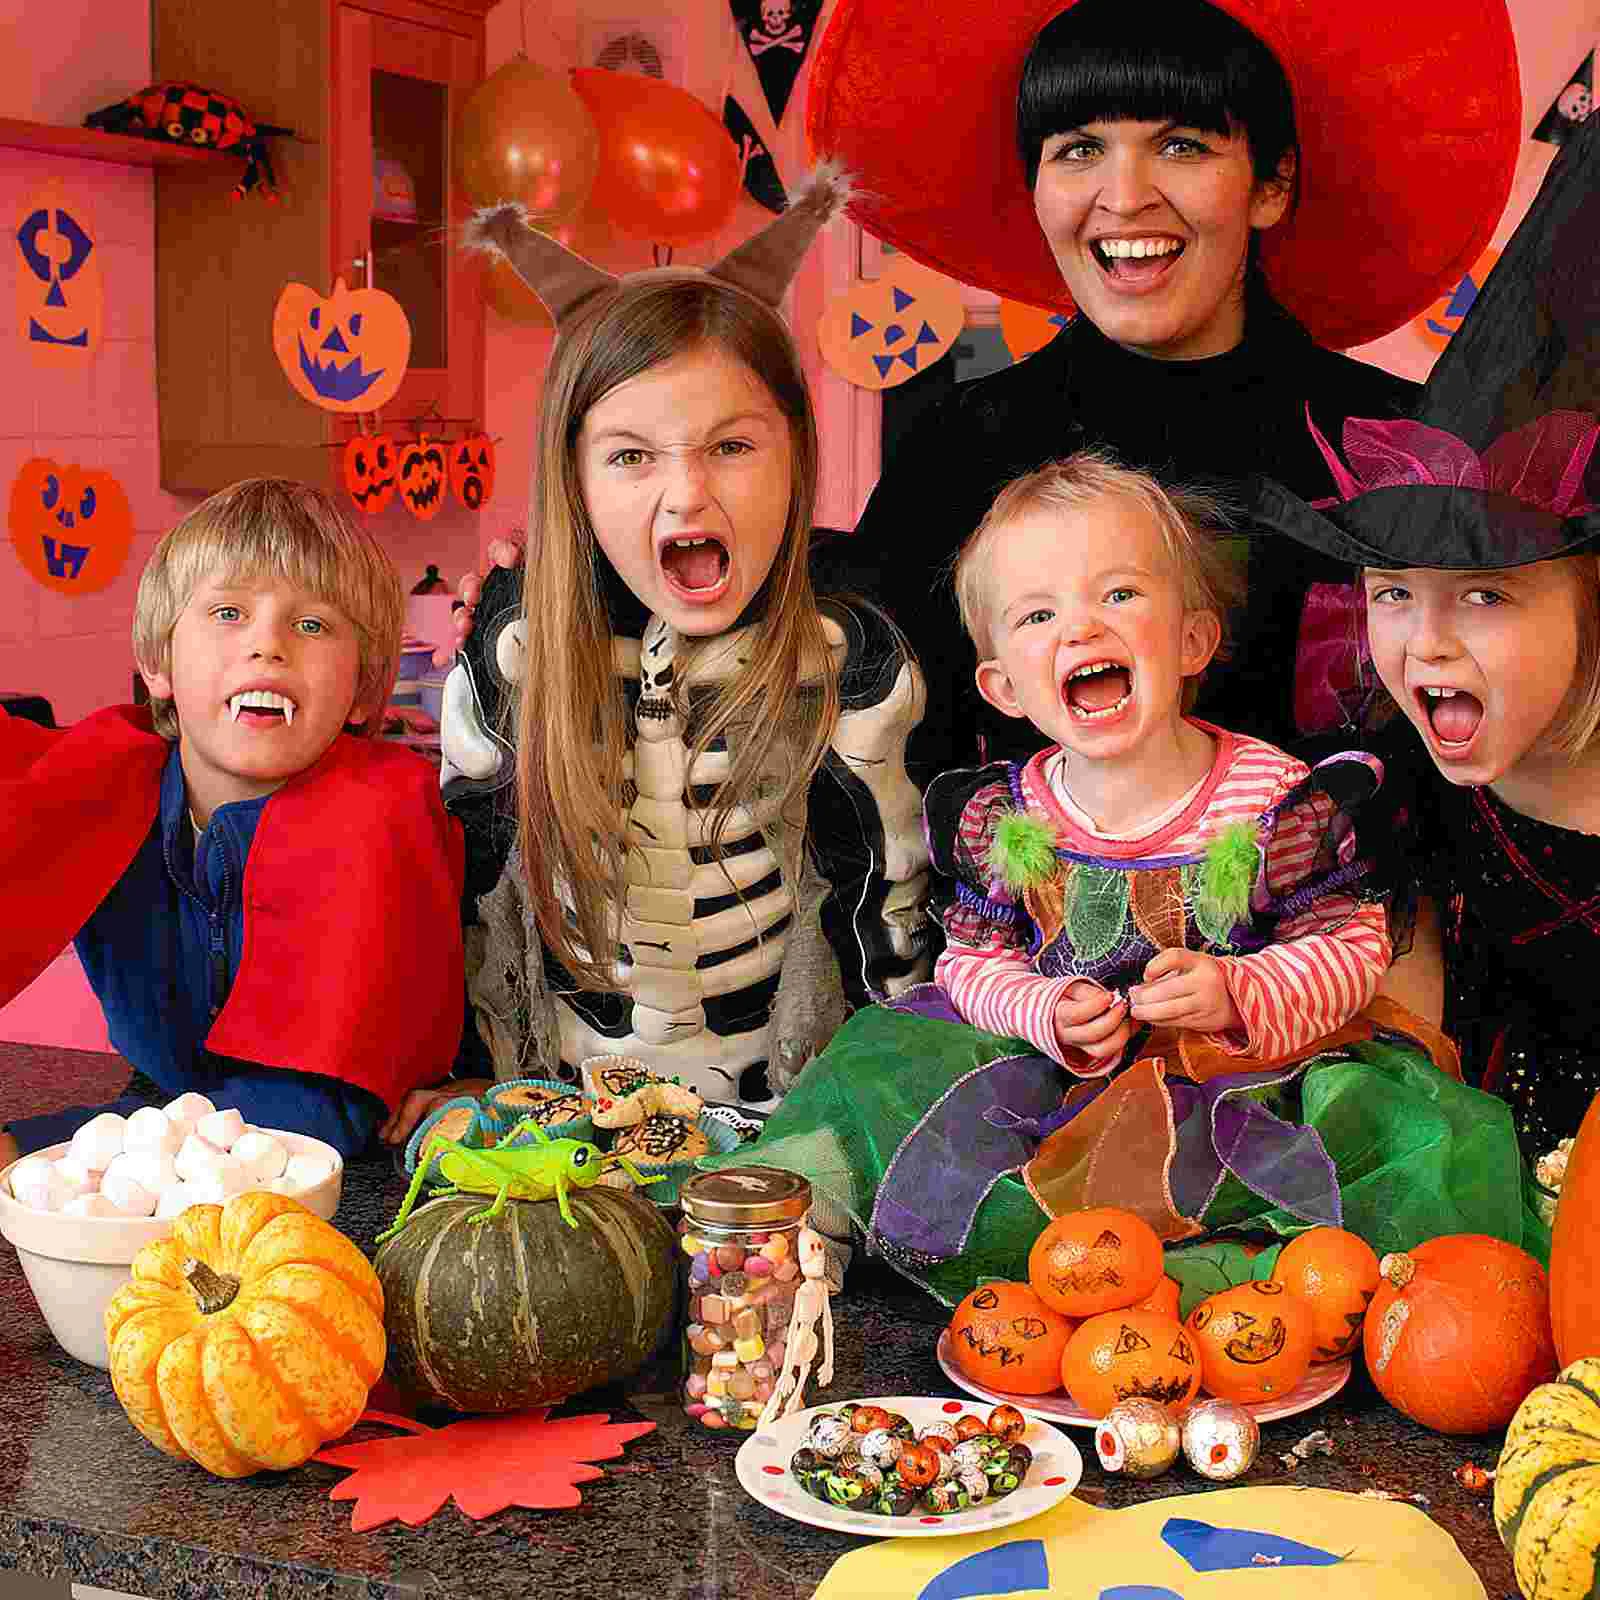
x=175 y=1198
x=99 y=1141
x=216 y=1189
x=150 y=1128
x=198 y=1157
x=90 y=1205
x=260 y=1154
x=184 y=1112
x=35 y=1182
x=306 y=1171
x=130 y=1197
x=154 y=1170
x=75 y=1178
x=221 y=1128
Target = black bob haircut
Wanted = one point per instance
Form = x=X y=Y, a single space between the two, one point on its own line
x=1155 y=61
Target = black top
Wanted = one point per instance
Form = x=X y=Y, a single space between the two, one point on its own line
x=1210 y=423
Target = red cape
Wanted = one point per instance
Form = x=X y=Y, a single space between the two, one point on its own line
x=352 y=963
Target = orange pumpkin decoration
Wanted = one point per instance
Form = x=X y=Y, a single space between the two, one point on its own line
x=1336 y=1273
x=347 y=352
x=1165 y=1298
x=71 y=526
x=1129 y=1355
x=1574 y=1292
x=1254 y=1341
x=60 y=292
x=472 y=470
x=422 y=478
x=1005 y=1337
x=1459 y=1332
x=369 y=471
x=1098 y=1259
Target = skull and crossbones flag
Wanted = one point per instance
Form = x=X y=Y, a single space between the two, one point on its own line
x=758 y=169
x=777 y=33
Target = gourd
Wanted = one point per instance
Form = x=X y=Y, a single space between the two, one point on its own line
x=247 y=1337
x=1547 y=1486
x=1459 y=1332
x=520 y=1310
x=1574 y=1286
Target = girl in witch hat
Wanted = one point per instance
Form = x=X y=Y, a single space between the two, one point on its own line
x=633 y=729
x=1475 y=525
x=1215 y=197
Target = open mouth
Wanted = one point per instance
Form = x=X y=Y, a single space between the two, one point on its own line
x=262 y=706
x=1098 y=690
x=697 y=567
x=1453 y=715
x=1136 y=261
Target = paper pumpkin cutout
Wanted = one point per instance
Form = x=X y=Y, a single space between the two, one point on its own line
x=347 y=352
x=1443 y=317
x=472 y=470
x=422 y=477
x=370 y=471
x=60 y=292
x=71 y=525
x=1125 y=1555
x=1028 y=328
x=878 y=333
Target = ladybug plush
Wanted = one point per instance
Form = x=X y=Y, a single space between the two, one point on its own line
x=188 y=114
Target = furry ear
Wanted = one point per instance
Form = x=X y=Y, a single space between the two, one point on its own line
x=765 y=264
x=560 y=278
x=1022 y=853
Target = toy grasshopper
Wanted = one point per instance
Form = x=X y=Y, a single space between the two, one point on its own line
x=524 y=1172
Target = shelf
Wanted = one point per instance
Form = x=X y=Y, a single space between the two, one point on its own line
x=121 y=149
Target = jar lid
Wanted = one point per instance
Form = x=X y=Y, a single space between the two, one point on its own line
x=745 y=1197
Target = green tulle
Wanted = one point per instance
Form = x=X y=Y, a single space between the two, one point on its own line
x=1023 y=852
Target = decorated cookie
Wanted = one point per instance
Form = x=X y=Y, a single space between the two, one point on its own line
x=649 y=1099
x=614 y=1077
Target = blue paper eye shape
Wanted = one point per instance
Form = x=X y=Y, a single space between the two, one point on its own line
x=1011 y=1568
x=355 y=326
x=1139 y=1591
x=86 y=505
x=315 y=319
x=1210 y=1549
x=51 y=492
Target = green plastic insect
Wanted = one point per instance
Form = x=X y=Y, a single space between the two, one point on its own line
x=524 y=1171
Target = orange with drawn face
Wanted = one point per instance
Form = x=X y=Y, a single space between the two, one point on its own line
x=1005 y=1337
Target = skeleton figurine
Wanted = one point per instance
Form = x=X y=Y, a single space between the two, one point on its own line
x=811 y=1302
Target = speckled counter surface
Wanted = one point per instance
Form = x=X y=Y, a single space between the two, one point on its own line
x=82 y=1496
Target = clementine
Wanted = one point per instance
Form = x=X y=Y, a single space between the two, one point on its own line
x=1336 y=1273
x=1255 y=1341
x=1165 y=1298
x=1095 y=1260
x=1005 y=1337
x=1129 y=1354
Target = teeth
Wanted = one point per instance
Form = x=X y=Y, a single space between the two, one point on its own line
x=1092 y=668
x=1095 y=716
x=689 y=544
x=1137 y=248
x=267 y=700
x=1439 y=694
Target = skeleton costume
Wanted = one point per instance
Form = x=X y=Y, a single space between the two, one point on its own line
x=733 y=959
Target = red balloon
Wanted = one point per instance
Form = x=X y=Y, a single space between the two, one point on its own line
x=669 y=171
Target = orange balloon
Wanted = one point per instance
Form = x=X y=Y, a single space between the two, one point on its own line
x=669 y=172
x=523 y=135
x=511 y=298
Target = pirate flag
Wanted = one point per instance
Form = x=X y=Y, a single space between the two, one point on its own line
x=760 y=172
x=1571 y=106
x=777 y=34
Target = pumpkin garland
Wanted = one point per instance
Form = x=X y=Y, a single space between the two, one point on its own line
x=472 y=470
x=423 y=477
x=370 y=471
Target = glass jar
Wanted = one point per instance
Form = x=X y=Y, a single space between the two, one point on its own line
x=739 y=1252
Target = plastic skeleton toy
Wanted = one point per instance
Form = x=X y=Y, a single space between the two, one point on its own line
x=811 y=1302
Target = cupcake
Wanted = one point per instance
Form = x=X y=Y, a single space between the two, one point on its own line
x=661 y=1140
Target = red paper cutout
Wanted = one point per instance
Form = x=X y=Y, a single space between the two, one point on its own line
x=484 y=1463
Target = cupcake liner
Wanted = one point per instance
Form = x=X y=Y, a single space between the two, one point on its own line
x=506 y=1117
x=480 y=1133
x=721 y=1138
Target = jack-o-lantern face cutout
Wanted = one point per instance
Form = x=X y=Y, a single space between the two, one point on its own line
x=344 y=353
x=472 y=470
x=879 y=333
x=71 y=525
x=369 y=471
x=422 y=478
x=60 y=294
x=1444 y=316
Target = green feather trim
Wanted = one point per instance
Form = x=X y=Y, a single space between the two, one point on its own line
x=1228 y=874
x=1022 y=853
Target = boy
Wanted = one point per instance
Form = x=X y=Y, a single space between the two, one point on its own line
x=265 y=898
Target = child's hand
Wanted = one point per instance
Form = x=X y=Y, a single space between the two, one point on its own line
x=420 y=1102
x=1093 y=1020
x=1186 y=989
x=505 y=552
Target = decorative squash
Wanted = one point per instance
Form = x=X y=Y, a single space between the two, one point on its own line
x=248 y=1337
x=520 y=1310
x=1459 y=1332
x=1574 y=1287
x=1545 y=1486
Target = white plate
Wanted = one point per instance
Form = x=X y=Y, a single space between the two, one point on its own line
x=1319 y=1384
x=762 y=1466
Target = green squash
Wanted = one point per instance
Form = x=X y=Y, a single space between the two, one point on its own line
x=521 y=1310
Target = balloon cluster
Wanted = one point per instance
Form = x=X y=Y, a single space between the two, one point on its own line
x=591 y=154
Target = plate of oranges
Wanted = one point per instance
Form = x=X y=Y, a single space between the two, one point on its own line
x=1098 y=1321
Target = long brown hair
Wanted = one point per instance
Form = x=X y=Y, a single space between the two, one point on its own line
x=573 y=720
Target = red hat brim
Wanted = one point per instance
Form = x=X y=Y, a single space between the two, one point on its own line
x=1409 y=116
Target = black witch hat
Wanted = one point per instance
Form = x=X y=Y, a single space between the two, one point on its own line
x=1496 y=466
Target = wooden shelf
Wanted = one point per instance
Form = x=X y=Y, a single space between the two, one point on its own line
x=121 y=149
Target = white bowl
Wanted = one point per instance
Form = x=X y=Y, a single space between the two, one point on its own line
x=75 y=1264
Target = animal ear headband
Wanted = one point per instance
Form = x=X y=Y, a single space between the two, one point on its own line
x=763 y=266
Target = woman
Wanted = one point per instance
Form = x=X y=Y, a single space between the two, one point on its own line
x=1215 y=189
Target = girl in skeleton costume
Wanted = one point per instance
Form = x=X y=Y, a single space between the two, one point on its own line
x=679 y=711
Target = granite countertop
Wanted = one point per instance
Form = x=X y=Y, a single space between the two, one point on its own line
x=82 y=1496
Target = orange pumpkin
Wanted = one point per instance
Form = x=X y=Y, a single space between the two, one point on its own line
x=1005 y=1337
x=60 y=292
x=472 y=470
x=422 y=478
x=1094 y=1260
x=71 y=525
x=1459 y=1332
x=369 y=471
x=1574 y=1291
x=347 y=352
